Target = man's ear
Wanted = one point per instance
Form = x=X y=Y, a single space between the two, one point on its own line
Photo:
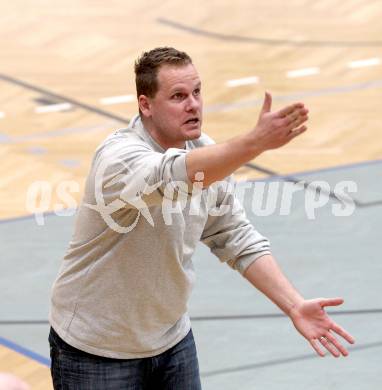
x=144 y=105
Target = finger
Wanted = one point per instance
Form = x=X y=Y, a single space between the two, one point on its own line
x=298 y=112
x=302 y=113
x=291 y=122
x=289 y=109
x=315 y=344
x=337 y=344
x=296 y=123
x=297 y=132
x=330 y=347
x=331 y=302
x=267 y=103
x=342 y=332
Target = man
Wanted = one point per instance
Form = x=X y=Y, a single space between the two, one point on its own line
x=119 y=305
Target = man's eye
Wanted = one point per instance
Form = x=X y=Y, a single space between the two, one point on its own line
x=177 y=96
x=197 y=91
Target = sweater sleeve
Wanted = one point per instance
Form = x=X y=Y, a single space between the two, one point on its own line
x=135 y=174
x=229 y=234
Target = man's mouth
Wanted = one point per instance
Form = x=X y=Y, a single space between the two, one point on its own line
x=192 y=121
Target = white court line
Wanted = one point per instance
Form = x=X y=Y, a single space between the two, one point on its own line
x=2 y=114
x=53 y=108
x=244 y=81
x=303 y=72
x=364 y=63
x=117 y=99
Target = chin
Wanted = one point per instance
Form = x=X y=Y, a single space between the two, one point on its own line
x=193 y=134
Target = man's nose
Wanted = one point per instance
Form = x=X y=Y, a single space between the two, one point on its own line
x=192 y=103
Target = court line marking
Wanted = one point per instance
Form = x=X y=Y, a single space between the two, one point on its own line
x=56 y=133
x=117 y=99
x=53 y=108
x=275 y=362
x=46 y=361
x=272 y=176
x=306 y=186
x=219 y=107
x=218 y=318
x=293 y=178
x=25 y=351
x=339 y=167
x=364 y=63
x=303 y=72
x=263 y=41
x=243 y=81
x=213 y=108
x=208 y=109
x=63 y=98
x=278 y=315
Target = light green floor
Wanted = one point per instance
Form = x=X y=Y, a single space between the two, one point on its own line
x=328 y=256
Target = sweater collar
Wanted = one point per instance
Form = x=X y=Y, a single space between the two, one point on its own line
x=137 y=125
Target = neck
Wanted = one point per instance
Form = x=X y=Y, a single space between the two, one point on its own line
x=164 y=142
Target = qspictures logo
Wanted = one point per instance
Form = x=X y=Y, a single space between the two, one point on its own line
x=134 y=188
x=120 y=187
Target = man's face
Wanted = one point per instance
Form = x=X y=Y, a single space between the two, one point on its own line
x=175 y=112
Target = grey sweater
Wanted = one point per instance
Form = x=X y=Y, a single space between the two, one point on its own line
x=124 y=283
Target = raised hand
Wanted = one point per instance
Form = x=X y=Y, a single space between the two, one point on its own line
x=311 y=320
x=275 y=129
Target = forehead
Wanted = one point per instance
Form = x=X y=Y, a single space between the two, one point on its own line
x=173 y=77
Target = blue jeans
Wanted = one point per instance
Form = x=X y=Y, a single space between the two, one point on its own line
x=175 y=369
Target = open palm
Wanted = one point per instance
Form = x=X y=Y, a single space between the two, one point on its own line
x=311 y=320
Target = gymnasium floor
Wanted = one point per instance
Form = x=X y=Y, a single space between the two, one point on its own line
x=243 y=341
x=66 y=82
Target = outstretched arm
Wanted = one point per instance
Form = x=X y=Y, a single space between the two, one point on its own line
x=308 y=316
x=273 y=130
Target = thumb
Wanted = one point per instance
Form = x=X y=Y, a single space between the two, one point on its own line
x=267 y=103
x=331 y=302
